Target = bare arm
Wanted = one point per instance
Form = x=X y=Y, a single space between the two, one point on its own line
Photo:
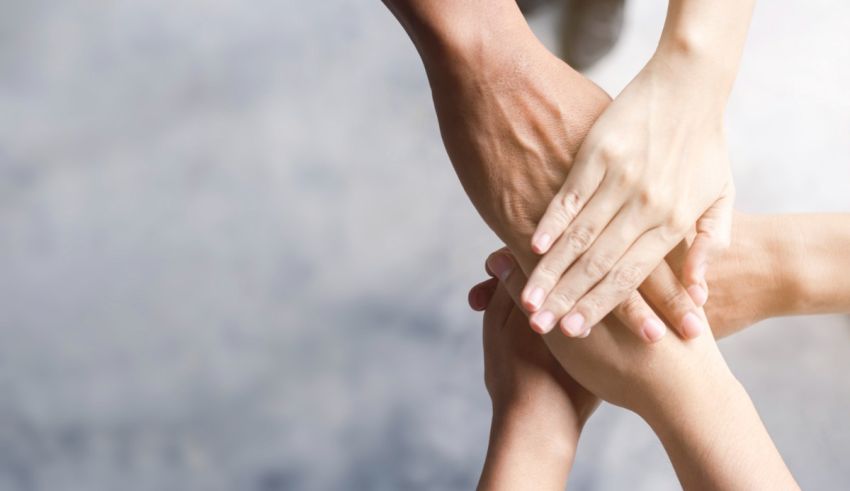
x=538 y=410
x=685 y=391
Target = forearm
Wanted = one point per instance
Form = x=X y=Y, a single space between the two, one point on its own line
x=445 y=29
x=528 y=451
x=715 y=438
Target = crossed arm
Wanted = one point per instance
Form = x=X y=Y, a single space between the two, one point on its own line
x=776 y=265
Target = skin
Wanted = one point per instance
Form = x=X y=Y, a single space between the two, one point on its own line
x=654 y=163
x=538 y=410
x=512 y=117
x=709 y=428
x=784 y=264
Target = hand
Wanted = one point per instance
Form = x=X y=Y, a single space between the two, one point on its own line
x=653 y=164
x=538 y=410
x=518 y=368
x=683 y=389
x=611 y=363
x=512 y=116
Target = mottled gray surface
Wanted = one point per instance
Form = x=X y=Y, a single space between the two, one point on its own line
x=234 y=255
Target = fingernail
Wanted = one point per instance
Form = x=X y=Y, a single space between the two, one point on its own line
x=541 y=242
x=691 y=325
x=535 y=298
x=586 y=333
x=653 y=330
x=698 y=295
x=573 y=324
x=544 y=321
x=501 y=266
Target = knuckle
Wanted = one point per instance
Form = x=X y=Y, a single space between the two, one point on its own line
x=562 y=298
x=627 y=277
x=591 y=307
x=578 y=240
x=547 y=270
x=626 y=177
x=674 y=301
x=632 y=306
x=598 y=265
x=677 y=222
x=569 y=204
x=611 y=151
x=650 y=200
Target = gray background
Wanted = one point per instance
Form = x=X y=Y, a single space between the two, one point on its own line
x=233 y=254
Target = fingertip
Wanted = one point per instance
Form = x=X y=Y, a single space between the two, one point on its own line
x=542 y=322
x=475 y=300
x=573 y=325
x=653 y=330
x=500 y=265
x=541 y=242
x=692 y=326
x=480 y=295
x=532 y=298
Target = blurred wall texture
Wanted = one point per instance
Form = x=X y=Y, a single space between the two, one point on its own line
x=233 y=254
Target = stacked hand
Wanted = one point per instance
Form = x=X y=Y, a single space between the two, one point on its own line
x=684 y=390
x=512 y=117
x=653 y=164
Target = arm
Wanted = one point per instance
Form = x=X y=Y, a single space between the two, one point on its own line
x=538 y=410
x=713 y=434
x=512 y=116
x=654 y=164
x=793 y=264
x=685 y=391
x=817 y=267
x=527 y=450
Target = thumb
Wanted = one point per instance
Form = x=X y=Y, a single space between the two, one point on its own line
x=714 y=233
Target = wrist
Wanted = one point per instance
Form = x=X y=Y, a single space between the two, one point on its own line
x=697 y=83
x=545 y=433
x=700 y=381
x=756 y=268
x=523 y=455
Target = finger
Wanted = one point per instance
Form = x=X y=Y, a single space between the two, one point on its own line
x=480 y=294
x=580 y=185
x=639 y=317
x=626 y=275
x=504 y=265
x=663 y=290
x=590 y=269
x=569 y=247
x=487 y=266
x=714 y=231
x=514 y=282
